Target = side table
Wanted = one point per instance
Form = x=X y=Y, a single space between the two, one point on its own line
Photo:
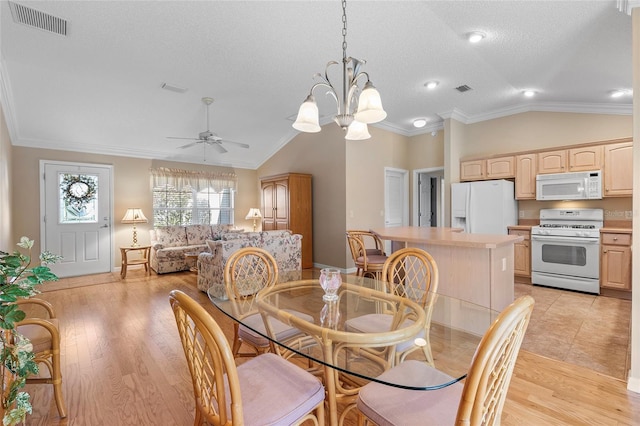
x=191 y=258
x=144 y=260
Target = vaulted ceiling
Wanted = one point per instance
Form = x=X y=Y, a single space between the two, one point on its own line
x=98 y=89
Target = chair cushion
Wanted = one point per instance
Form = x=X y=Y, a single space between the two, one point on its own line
x=371 y=252
x=39 y=336
x=276 y=392
x=281 y=330
x=374 y=259
x=388 y=406
x=377 y=323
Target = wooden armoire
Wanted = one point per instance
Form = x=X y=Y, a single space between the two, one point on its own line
x=286 y=204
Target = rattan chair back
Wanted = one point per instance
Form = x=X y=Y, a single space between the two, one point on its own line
x=485 y=388
x=210 y=361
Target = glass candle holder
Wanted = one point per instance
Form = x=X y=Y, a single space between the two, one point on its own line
x=330 y=281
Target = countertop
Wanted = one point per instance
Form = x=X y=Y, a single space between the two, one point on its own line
x=445 y=237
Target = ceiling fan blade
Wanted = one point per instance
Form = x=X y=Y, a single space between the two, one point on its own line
x=189 y=145
x=243 y=145
x=219 y=147
x=184 y=139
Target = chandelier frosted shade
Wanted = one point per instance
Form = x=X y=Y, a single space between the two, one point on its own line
x=352 y=103
x=308 y=116
x=357 y=131
x=370 y=105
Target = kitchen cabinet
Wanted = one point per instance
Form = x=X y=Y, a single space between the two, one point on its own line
x=615 y=260
x=587 y=158
x=491 y=168
x=552 y=161
x=525 y=182
x=618 y=170
x=522 y=253
x=472 y=170
x=287 y=204
x=501 y=168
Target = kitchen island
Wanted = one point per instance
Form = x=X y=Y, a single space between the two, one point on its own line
x=477 y=268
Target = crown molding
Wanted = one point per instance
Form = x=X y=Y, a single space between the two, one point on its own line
x=626 y=6
x=6 y=101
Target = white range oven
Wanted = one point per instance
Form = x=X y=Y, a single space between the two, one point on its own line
x=565 y=249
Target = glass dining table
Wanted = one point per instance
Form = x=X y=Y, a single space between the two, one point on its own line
x=347 y=359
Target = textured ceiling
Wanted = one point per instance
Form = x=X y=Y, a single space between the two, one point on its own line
x=99 y=88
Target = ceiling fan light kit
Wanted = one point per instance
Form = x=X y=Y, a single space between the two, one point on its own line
x=356 y=107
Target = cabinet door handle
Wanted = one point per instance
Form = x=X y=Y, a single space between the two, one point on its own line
x=615 y=238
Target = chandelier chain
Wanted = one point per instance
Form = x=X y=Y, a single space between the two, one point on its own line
x=344 y=29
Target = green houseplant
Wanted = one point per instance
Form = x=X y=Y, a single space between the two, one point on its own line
x=18 y=279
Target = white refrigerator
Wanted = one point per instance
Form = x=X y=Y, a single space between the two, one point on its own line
x=483 y=207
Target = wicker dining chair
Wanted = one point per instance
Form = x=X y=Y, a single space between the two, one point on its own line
x=44 y=335
x=411 y=273
x=478 y=402
x=367 y=252
x=246 y=272
x=266 y=390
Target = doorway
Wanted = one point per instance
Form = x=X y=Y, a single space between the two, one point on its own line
x=428 y=197
x=76 y=210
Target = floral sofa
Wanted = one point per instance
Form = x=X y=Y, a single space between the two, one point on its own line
x=169 y=244
x=284 y=246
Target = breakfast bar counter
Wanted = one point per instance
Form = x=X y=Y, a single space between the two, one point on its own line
x=477 y=268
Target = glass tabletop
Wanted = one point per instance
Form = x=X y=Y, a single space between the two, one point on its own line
x=332 y=331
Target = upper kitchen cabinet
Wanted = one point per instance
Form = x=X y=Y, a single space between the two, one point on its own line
x=525 y=182
x=618 y=170
x=585 y=159
x=491 y=168
x=472 y=170
x=501 y=168
x=552 y=161
x=570 y=160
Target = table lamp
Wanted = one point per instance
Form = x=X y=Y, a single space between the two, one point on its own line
x=254 y=214
x=134 y=216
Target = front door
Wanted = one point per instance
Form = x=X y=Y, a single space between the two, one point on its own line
x=76 y=205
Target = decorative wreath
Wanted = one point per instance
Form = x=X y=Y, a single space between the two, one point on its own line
x=78 y=189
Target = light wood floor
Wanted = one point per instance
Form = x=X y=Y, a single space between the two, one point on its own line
x=123 y=364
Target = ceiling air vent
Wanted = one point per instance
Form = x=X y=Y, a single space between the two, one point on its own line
x=463 y=88
x=37 y=19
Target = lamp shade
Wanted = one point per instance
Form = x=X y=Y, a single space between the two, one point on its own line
x=357 y=131
x=370 y=105
x=308 y=116
x=254 y=213
x=134 y=215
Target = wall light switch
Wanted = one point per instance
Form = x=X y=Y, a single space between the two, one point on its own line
x=504 y=263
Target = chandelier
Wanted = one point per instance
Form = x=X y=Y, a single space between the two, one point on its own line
x=356 y=107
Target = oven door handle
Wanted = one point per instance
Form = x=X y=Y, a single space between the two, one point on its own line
x=565 y=239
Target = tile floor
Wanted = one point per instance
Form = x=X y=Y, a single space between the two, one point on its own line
x=581 y=329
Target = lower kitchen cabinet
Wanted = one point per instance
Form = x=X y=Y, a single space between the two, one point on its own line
x=522 y=253
x=615 y=263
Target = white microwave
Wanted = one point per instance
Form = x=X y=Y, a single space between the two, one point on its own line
x=569 y=186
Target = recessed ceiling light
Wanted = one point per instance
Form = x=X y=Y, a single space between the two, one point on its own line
x=475 y=36
x=529 y=93
x=420 y=122
x=431 y=84
x=621 y=92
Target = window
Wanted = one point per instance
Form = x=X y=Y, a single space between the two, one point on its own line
x=183 y=197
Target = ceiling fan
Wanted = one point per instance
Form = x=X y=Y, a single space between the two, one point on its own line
x=208 y=137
